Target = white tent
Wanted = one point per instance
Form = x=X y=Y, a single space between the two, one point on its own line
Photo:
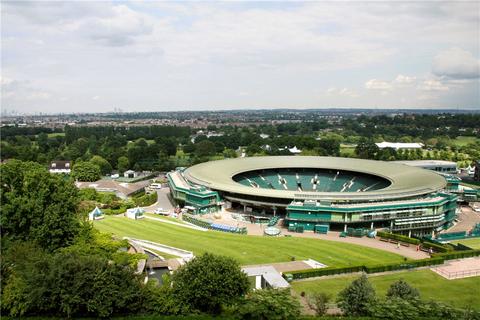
x=135 y=213
x=96 y=214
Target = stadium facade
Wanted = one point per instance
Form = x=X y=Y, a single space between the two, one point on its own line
x=314 y=192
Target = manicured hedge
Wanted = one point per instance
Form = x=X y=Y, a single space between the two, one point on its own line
x=404 y=265
x=309 y=273
x=436 y=247
x=457 y=254
x=397 y=237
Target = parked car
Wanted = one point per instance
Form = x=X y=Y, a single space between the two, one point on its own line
x=156 y=186
x=162 y=211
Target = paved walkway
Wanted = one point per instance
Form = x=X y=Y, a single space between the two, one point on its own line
x=163 y=201
x=467 y=218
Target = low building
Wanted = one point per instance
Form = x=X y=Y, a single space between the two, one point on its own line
x=96 y=214
x=399 y=145
x=266 y=277
x=121 y=189
x=60 y=166
x=440 y=166
x=130 y=174
x=135 y=213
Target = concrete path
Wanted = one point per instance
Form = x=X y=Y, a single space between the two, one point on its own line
x=467 y=218
x=184 y=254
x=184 y=225
x=163 y=201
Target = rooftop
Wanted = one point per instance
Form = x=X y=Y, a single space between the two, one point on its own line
x=406 y=181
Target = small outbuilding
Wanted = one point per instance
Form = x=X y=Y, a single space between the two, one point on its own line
x=60 y=166
x=130 y=174
x=135 y=213
x=96 y=214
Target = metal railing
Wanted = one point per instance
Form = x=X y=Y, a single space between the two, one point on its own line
x=458 y=274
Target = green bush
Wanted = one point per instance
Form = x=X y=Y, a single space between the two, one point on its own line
x=457 y=254
x=309 y=273
x=145 y=200
x=405 y=265
x=397 y=237
x=436 y=247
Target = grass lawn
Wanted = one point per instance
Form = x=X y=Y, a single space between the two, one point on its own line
x=246 y=249
x=472 y=243
x=347 y=149
x=458 y=293
x=56 y=134
x=462 y=141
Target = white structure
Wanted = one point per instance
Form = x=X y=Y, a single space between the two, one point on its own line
x=399 y=145
x=439 y=166
x=96 y=214
x=135 y=213
x=130 y=174
x=60 y=167
x=266 y=277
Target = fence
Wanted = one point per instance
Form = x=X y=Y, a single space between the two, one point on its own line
x=458 y=274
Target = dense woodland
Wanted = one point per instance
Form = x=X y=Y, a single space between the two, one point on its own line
x=162 y=148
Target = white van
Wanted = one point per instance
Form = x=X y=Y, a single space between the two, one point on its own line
x=156 y=186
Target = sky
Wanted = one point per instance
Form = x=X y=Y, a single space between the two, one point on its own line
x=82 y=56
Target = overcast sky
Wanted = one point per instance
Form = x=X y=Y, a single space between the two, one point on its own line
x=161 y=56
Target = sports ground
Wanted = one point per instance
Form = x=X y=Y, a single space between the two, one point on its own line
x=458 y=293
x=247 y=249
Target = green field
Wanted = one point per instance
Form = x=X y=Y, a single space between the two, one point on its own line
x=458 y=293
x=246 y=249
x=462 y=141
x=56 y=134
x=472 y=243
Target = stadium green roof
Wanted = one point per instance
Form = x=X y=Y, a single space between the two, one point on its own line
x=406 y=181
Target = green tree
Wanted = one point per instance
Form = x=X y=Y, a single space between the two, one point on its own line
x=123 y=164
x=37 y=206
x=366 y=149
x=208 y=282
x=401 y=289
x=70 y=284
x=276 y=304
x=86 y=171
x=319 y=303
x=205 y=148
x=355 y=299
x=104 y=165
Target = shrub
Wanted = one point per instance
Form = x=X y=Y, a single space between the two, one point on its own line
x=208 y=282
x=319 y=303
x=436 y=247
x=457 y=254
x=397 y=237
x=268 y=304
x=401 y=289
x=355 y=299
x=309 y=273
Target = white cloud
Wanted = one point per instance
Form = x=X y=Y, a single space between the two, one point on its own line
x=456 y=63
x=403 y=80
x=374 y=84
x=433 y=85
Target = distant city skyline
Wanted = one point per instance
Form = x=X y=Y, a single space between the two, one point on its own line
x=75 y=57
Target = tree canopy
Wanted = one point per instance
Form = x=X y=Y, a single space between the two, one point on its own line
x=37 y=205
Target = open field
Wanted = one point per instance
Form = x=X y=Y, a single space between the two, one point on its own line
x=472 y=243
x=458 y=293
x=246 y=249
x=56 y=134
x=462 y=141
